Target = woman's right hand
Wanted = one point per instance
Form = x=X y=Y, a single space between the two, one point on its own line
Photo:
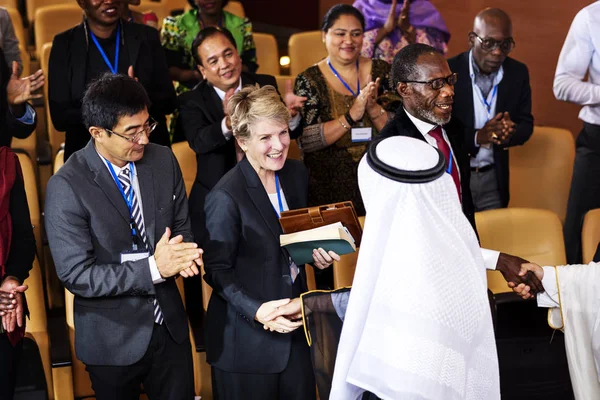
x=357 y=111
x=279 y=324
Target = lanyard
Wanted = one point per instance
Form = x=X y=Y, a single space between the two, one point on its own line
x=112 y=68
x=278 y=194
x=344 y=82
x=450 y=162
x=128 y=199
x=488 y=106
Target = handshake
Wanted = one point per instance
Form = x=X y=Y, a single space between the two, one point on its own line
x=283 y=316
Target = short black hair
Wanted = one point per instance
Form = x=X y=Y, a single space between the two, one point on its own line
x=404 y=66
x=337 y=11
x=111 y=97
x=192 y=3
x=205 y=34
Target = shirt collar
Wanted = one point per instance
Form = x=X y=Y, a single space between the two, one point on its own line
x=221 y=93
x=116 y=168
x=422 y=126
x=474 y=70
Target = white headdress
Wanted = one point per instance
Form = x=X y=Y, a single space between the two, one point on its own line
x=418 y=324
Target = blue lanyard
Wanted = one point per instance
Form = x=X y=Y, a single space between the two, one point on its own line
x=450 y=162
x=488 y=106
x=112 y=68
x=344 y=82
x=128 y=199
x=278 y=194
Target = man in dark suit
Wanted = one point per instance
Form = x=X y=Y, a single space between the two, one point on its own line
x=101 y=43
x=202 y=118
x=119 y=232
x=493 y=101
x=425 y=84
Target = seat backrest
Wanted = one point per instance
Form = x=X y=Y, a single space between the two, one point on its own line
x=53 y=19
x=590 y=235
x=541 y=170
x=187 y=162
x=160 y=9
x=59 y=160
x=28 y=145
x=533 y=234
x=9 y=3
x=175 y=5
x=34 y=5
x=55 y=137
x=17 y=21
x=343 y=270
x=82 y=386
x=267 y=53
x=236 y=8
x=33 y=200
x=305 y=49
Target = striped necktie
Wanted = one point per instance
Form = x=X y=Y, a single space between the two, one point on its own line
x=136 y=213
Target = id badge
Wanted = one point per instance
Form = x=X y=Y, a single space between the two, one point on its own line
x=361 y=134
x=134 y=255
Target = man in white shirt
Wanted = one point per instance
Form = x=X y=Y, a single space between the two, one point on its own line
x=423 y=79
x=579 y=56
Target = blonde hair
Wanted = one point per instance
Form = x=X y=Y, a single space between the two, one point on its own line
x=252 y=104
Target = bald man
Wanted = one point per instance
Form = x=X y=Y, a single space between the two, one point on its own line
x=493 y=101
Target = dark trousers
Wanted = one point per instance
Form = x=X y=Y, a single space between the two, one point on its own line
x=9 y=362
x=585 y=189
x=295 y=382
x=165 y=370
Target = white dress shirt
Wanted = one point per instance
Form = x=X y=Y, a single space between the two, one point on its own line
x=294 y=121
x=485 y=155
x=490 y=257
x=156 y=277
x=549 y=298
x=580 y=55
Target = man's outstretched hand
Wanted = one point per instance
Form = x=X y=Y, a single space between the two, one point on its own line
x=510 y=267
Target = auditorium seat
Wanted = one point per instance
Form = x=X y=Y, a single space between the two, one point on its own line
x=9 y=3
x=533 y=234
x=187 y=162
x=305 y=49
x=30 y=180
x=343 y=270
x=541 y=170
x=59 y=160
x=55 y=137
x=52 y=20
x=235 y=8
x=34 y=5
x=267 y=54
x=29 y=146
x=590 y=235
x=17 y=21
x=160 y=9
x=37 y=327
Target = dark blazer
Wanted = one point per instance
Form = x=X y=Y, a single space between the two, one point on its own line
x=514 y=96
x=246 y=267
x=9 y=126
x=87 y=222
x=200 y=116
x=401 y=125
x=67 y=80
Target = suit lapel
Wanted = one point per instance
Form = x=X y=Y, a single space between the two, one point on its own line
x=144 y=172
x=405 y=125
x=132 y=43
x=105 y=181
x=259 y=197
x=463 y=91
x=290 y=189
x=503 y=89
x=211 y=101
x=78 y=64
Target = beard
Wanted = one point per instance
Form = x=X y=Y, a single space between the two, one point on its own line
x=428 y=115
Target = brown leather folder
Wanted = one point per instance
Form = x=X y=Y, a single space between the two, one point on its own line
x=313 y=217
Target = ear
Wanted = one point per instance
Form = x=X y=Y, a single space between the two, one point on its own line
x=242 y=143
x=97 y=133
x=201 y=69
x=471 y=40
x=403 y=89
x=323 y=34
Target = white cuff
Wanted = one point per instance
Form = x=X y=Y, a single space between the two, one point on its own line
x=549 y=298
x=156 y=278
x=490 y=258
x=226 y=132
x=295 y=122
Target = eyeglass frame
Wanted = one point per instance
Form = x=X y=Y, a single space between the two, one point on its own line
x=152 y=124
x=497 y=43
x=444 y=81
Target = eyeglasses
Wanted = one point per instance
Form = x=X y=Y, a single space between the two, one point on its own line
x=437 y=84
x=148 y=128
x=489 y=44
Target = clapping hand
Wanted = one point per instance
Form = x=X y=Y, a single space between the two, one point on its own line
x=404 y=23
x=267 y=315
x=523 y=289
x=20 y=90
x=390 y=23
x=511 y=267
x=174 y=256
x=293 y=102
x=11 y=304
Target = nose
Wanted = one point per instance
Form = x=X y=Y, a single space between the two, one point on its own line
x=144 y=139
x=223 y=62
x=447 y=90
x=497 y=51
